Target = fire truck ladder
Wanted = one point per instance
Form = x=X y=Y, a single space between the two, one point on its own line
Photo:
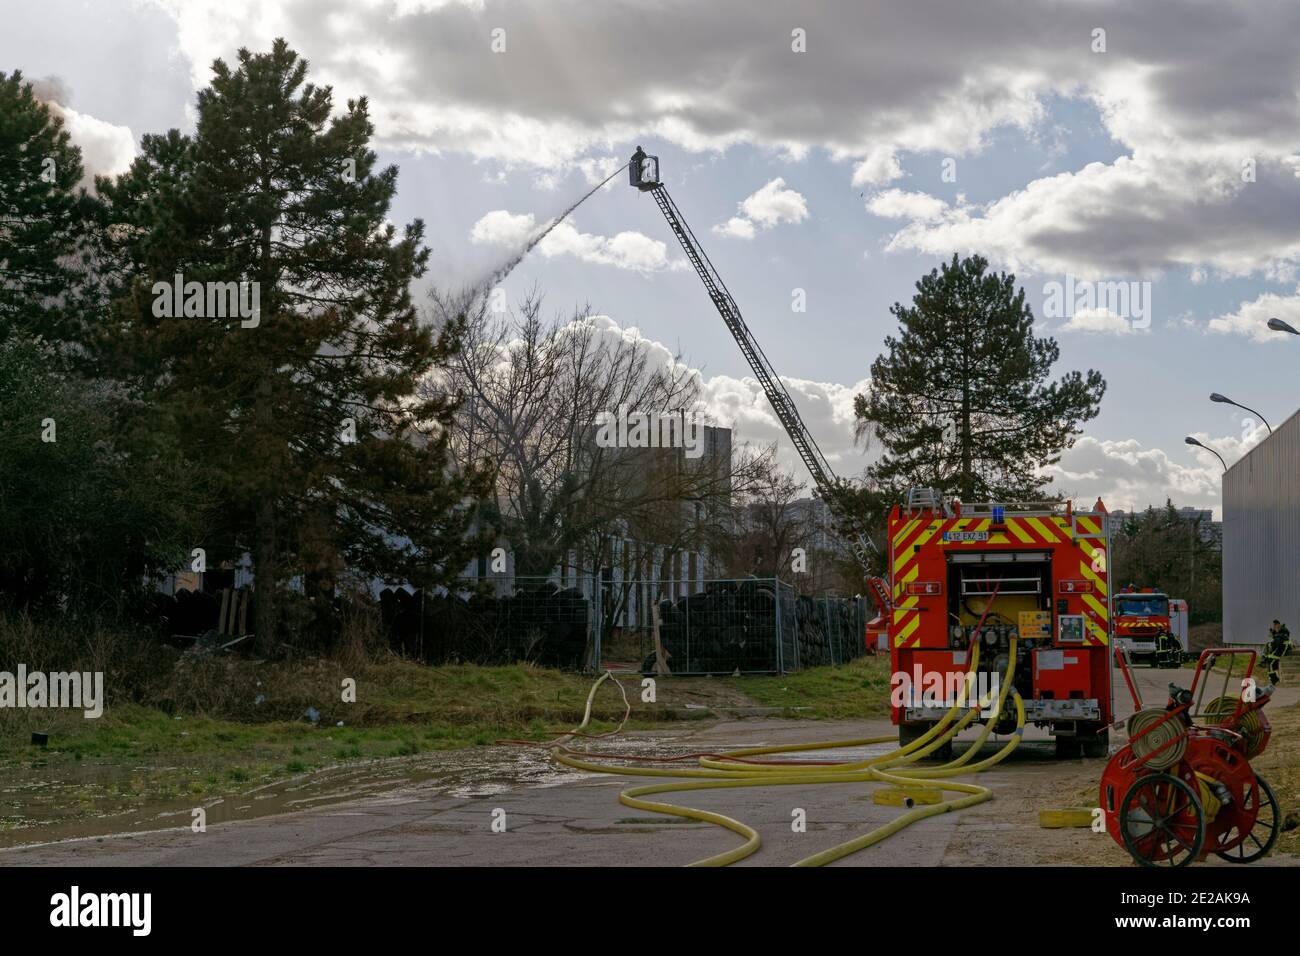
x=777 y=396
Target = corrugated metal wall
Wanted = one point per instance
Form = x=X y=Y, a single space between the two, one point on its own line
x=1261 y=538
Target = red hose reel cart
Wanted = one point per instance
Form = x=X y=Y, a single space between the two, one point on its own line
x=1182 y=788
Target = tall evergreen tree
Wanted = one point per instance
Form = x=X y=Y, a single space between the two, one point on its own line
x=304 y=416
x=42 y=213
x=85 y=519
x=83 y=524
x=960 y=398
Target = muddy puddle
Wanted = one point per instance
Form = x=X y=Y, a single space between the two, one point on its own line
x=46 y=805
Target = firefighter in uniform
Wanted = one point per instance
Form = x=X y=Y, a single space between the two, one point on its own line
x=1169 y=652
x=1279 y=646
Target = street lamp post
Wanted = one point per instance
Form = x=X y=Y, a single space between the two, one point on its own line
x=1225 y=400
x=1277 y=325
x=1192 y=441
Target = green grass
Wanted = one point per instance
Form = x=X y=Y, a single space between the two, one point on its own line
x=136 y=754
x=400 y=706
x=857 y=690
x=139 y=756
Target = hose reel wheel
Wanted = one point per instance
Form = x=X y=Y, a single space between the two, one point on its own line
x=1252 y=724
x=1153 y=737
x=1161 y=821
x=1257 y=840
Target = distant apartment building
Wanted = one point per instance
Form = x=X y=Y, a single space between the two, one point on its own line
x=809 y=524
x=811 y=516
x=1208 y=528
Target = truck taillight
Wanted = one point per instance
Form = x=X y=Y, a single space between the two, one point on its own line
x=1076 y=587
x=924 y=588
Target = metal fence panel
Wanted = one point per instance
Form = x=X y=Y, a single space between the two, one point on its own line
x=748 y=625
x=493 y=621
x=709 y=626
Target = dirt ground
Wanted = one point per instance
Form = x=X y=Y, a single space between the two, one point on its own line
x=438 y=809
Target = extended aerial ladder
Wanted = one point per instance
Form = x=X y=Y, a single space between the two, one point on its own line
x=644 y=175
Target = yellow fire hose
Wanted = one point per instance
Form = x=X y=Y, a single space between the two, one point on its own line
x=726 y=772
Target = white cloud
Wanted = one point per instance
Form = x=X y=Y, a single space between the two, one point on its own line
x=702 y=76
x=1171 y=93
x=1137 y=217
x=1098 y=322
x=594 y=169
x=406 y=8
x=1127 y=476
x=769 y=206
x=1251 y=318
x=881 y=166
x=502 y=228
x=899 y=204
x=774 y=204
x=598 y=168
x=735 y=228
x=826 y=408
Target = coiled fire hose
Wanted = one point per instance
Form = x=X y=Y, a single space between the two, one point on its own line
x=736 y=769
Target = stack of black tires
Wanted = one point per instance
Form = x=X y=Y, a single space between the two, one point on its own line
x=736 y=625
x=729 y=626
x=543 y=624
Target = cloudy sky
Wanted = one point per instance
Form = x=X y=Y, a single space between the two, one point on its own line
x=832 y=152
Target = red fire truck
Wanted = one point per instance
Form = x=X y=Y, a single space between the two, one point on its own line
x=1145 y=626
x=962 y=573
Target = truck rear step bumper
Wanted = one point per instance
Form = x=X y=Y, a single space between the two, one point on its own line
x=1035 y=710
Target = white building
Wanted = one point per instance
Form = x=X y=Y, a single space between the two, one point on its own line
x=1261 y=537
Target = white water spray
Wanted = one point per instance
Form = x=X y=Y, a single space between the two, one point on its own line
x=499 y=274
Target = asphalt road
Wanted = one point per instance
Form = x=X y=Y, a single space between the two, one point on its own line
x=439 y=809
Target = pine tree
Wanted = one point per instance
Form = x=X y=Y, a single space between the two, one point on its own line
x=42 y=213
x=960 y=398
x=83 y=525
x=304 y=415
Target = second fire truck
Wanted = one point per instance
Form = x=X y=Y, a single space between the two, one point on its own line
x=1148 y=624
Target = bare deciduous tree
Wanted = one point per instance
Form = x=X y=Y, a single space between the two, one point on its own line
x=772 y=524
x=531 y=390
x=775 y=516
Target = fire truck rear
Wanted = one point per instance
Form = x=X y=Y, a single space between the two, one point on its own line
x=961 y=574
